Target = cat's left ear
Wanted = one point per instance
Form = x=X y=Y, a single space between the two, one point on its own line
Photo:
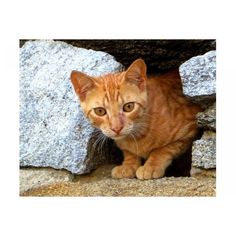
x=136 y=74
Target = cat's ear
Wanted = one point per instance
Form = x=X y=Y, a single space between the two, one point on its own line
x=82 y=83
x=136 y=73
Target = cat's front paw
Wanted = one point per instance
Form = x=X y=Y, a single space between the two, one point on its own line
x=149 y=172
x=124 y=171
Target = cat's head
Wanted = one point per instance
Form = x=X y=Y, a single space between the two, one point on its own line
x=114 y=103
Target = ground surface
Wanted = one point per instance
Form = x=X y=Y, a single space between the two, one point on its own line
x=50 y=182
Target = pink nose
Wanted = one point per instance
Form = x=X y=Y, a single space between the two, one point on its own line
x=117 y=129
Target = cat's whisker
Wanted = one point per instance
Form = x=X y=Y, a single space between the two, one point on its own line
x=99 y=143
x=103 y=142
x=140 y=128
x=97 y=131
x=95 y=144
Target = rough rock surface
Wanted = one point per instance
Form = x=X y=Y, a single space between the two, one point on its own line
x=53 y=130
x=199 y=84
x=204 y=151
x=99 y=183
x=159 y=55
x=31 y=178
x=207 y=119
x=198 y=76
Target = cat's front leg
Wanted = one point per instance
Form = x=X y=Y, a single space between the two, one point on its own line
x=160 y=159
x=128 y=168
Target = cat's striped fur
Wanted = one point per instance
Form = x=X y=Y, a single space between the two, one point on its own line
x=147 y=118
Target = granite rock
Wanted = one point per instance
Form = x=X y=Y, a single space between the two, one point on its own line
x=207 y=119
x=198 y=76
x=204 y=151
x=53 y=130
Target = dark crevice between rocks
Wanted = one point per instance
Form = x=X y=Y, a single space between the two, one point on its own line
x=204 y=101
x=102 y=152
x=181 y=166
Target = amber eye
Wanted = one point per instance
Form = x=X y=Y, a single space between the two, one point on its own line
x=100 y=111
x=128 y=107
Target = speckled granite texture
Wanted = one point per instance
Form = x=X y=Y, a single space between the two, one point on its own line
x=204 y=151
x=198 y=75
x=53 y=130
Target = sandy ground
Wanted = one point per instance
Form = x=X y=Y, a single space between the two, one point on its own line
x=50 y=182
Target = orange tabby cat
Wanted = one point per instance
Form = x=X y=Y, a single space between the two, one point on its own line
x=147 y=118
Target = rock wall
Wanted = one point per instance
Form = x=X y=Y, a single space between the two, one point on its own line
x=53 y=130
x=159 y=55
x=199 y=84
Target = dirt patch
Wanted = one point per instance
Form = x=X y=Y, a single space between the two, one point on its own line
x=100 y=183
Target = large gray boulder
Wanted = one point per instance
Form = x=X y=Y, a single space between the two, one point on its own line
x=198 y=76
x=53 y=130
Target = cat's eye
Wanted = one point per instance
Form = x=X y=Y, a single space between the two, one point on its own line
x=128 y=107
x=100 y=111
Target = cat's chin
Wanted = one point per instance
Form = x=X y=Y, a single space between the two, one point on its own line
x=118 y=137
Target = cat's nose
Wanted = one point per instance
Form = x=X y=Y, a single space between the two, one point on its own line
x=117 y=129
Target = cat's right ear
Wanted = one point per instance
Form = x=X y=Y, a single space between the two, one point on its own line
x=82 y=83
